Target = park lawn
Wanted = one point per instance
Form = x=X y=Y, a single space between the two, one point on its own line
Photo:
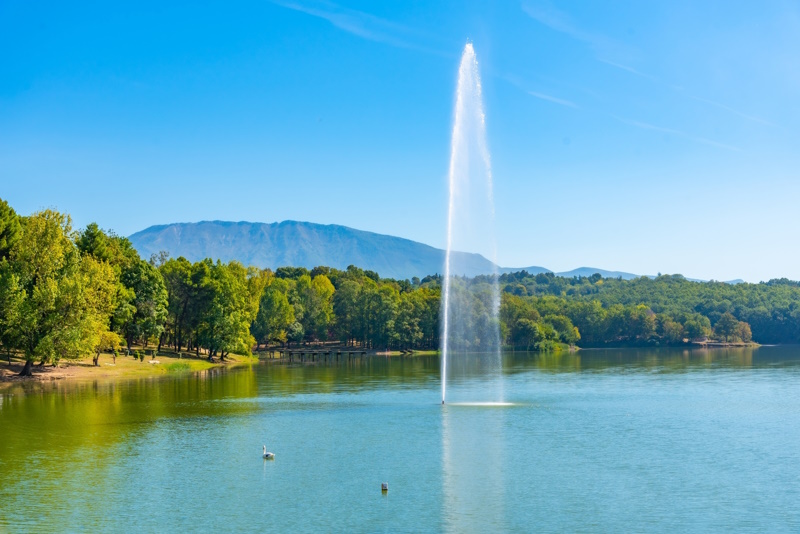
x=125 y=367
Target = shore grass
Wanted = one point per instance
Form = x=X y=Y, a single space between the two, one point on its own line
x=161 y=364
x=394 y=353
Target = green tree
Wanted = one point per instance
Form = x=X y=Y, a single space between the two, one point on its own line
x=314 y=297
x=225 y=323
x=177 y=275
x=346 y=311
x=567 y=332
x=275 y=314
x=55 y=303
x=726 y=326
x=149 y=301
x=743 y=332
x=670 y=330
x=10 y=229
x=527 y=333
x=119 y=253
x=697 y=327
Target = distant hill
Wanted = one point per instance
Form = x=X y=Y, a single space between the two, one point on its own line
x=302 y=244
x=589 y=271
x=530 y=270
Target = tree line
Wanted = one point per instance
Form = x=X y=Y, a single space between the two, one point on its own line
x=664 y=309
x=67 y=294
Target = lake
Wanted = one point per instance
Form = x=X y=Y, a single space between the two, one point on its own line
x=651 y=440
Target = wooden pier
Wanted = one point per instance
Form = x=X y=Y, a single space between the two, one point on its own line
x=316 y=355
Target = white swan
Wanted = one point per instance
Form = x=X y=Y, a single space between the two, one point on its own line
x=268 y=455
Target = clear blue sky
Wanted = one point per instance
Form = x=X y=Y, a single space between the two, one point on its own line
x=640 y=136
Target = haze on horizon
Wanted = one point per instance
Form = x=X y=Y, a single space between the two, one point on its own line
x=642 y=137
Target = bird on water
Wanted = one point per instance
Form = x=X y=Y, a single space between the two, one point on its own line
x=268 y=455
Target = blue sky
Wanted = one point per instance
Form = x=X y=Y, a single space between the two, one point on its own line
x=639 y=136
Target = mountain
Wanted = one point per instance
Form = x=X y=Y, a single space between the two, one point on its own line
x=302 y=244
x=531 y=270
x=589 y=271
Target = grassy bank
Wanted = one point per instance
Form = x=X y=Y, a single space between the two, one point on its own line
x=165 y=363
x=393 y=353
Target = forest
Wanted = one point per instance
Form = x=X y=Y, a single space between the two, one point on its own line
x=67 y=293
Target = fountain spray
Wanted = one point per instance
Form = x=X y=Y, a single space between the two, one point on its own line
x=469 y=132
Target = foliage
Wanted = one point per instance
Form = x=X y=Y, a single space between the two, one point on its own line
x=275 y=314
x=65 y=294
x=10 y=229
x=56 y=303
x=665 y=309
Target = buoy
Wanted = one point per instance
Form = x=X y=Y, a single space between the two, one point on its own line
x=384 y=487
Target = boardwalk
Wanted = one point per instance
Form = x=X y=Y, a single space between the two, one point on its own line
x=318 y=355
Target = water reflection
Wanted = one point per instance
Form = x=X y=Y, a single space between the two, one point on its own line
x=474 y=497
x=92 y=455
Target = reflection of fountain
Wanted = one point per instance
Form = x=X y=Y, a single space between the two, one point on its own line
x=470 y=307
x=474 y=496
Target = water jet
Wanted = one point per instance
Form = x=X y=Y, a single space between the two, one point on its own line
x=469 y=318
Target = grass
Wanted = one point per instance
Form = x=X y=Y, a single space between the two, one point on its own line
x=164 y=363
x=178 y=367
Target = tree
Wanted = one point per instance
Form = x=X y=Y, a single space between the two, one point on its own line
x=669 y=329
x=743 y=332
x=149 y=301
x=106 y=246
x=407 y=322
x=346 y=310
x=567 y=332
x=314 y=297
x=275 y=314
x=10 y=229
x=697 y=327
x=641 y=322
x=107 y=341
x=518 y=315
x=177 y=275
x=726 y=326
x=225 y=323
x=527 y=334
x=55 y=302
x=119 y=253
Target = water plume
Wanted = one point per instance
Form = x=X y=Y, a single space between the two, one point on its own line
x=470 y=308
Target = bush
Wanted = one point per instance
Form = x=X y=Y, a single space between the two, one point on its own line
x=177 y=367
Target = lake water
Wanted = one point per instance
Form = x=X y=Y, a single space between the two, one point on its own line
x=597 y=441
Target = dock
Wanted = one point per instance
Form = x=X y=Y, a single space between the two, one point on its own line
x=316 y=355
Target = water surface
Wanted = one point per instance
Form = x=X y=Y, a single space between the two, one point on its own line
x=597 y=441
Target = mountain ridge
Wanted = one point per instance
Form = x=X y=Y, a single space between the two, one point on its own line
x=301 y=244
x=306 y=244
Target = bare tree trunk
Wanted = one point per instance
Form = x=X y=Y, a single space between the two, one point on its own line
x=28 y=369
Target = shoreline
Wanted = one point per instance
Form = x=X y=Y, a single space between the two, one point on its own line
x=126 y=367
x=171 y=364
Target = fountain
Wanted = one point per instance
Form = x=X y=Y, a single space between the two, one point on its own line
x=470 y=308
